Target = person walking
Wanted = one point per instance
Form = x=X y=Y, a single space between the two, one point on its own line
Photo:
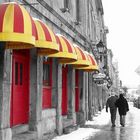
x=123 y=108
x=113 y=109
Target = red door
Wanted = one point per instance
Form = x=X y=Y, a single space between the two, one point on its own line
x=64 y=91
x=76 y=91
x=20 y=87
x=47 y=84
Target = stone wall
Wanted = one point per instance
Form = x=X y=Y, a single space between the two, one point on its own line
x=5 y=90
x=83 y=33
x=48 y=121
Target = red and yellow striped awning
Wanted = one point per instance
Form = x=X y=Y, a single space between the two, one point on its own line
x=82 y=59
x=45 y=39
x=16 y=26
x=66 y=52
x=93 y=64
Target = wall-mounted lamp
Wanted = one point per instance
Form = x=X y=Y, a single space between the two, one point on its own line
x=101 y=47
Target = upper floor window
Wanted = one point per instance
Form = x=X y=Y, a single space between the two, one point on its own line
x=66 y=6
x=77 y=10
x=78 y=20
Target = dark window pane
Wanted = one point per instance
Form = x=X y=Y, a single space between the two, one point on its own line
x=81 y=94
x=21 y=73
x=46 y=74
x=101 y=58
x=77 y=11
x=76 y=78
x=66 y=3
x=16 y=73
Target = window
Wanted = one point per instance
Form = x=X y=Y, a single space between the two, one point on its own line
x=65 y=7
x=66 y=4
x=76 y=90
x=16 y=73
x=77 y=10
x=21 y=73
x=101 y=58
x=47 y=72
x=47 y=83
x=77 y=14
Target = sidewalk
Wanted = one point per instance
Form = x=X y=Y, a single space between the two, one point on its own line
x=102 y=118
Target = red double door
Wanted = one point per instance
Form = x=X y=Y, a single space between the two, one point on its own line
x=20 y=88
x=77 y=98
x=64 y=91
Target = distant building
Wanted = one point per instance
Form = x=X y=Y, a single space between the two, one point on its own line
x=113 y=72
x=138 y=70
x=116 y=80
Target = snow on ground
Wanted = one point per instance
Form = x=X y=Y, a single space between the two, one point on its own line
x=80 y=134
x=101 y=118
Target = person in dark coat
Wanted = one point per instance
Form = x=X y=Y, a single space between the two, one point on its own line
x=123 y=108
x=113 y=109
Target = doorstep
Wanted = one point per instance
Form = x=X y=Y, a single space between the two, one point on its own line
x=29 y=135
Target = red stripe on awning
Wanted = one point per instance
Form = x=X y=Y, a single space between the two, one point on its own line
x=68 y=45
x=46 y=33
x=60 y=45
x=18 y=20
x=34 y=30
x=2 y=12
x=93 y=62
x=82 y=54
x=36 y=34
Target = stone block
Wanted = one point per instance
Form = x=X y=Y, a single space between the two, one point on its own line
x=29 y=135
x=70 y=129
x=67 y=122
x=48 y=121
x=80 y=118
x=39 y=131
x=20 y=129
x=6 y=134
x=74 y=118
x=48 y=113
x=59 y=125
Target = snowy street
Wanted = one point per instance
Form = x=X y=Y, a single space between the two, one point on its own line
x=100 y=128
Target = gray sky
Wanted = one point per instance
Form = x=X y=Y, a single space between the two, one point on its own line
x=123 y=20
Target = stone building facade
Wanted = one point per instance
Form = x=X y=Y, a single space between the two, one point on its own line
x=116 y=78
x=46 y=93
x=114 y=73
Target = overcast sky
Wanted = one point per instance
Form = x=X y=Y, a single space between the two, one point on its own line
x=122 y=17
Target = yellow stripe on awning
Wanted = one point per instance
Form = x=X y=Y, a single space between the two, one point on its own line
x=66 y=52
x=16 y=26
x=93 y=64
x=82 y=59
x=45 y=39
